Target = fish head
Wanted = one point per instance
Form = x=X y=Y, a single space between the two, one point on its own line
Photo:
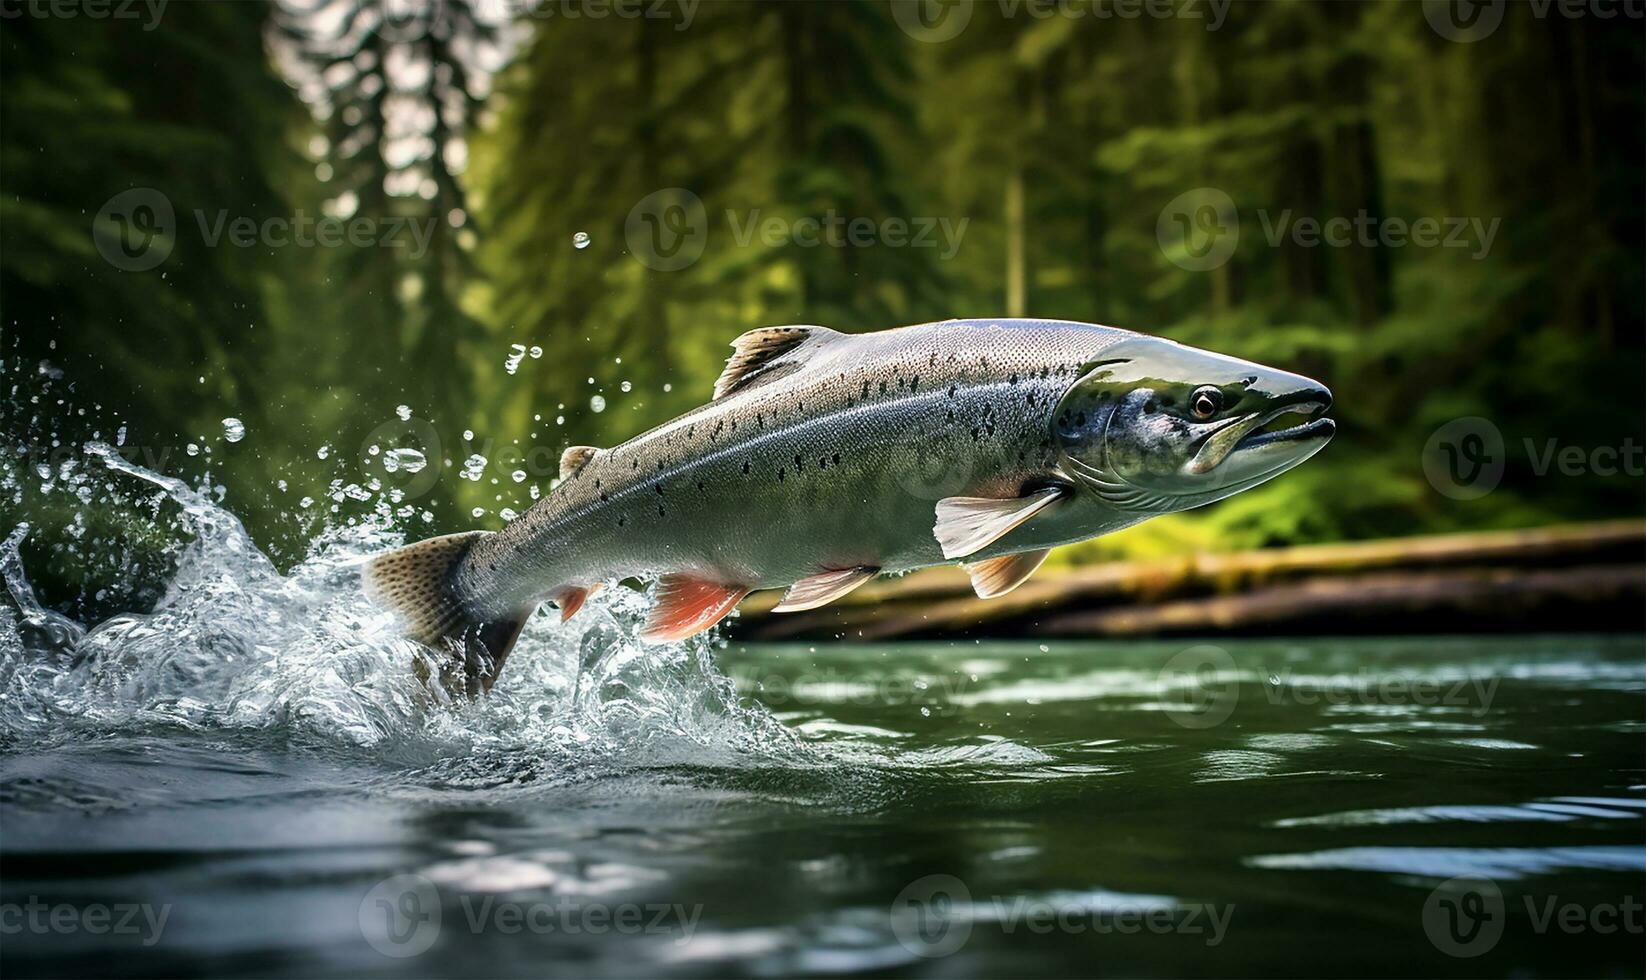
x=1154 y=426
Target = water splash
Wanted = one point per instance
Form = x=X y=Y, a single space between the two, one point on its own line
x=301 y=658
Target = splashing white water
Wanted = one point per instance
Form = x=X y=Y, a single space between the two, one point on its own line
x=234 y=646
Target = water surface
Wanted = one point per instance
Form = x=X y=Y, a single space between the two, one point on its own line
x=248 y=780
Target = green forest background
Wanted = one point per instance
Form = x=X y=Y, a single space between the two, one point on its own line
x=1055 y=142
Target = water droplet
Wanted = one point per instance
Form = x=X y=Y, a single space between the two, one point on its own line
x=626 y=386
x=519 y=476
x=535 y=352
x=1274 y=679
x=597 y=404
x=468 y=435
x=668 y=387
x=925 y=712
x=193 y=450
x=507 y=514
x=404 y=411
x=478 y=512
x=1045 y=649
x=409 y=460
x=580 y=240
x=322 y=452
x=234 y=430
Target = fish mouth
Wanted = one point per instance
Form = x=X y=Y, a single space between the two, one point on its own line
x=1248 y=434
x=1265 y=434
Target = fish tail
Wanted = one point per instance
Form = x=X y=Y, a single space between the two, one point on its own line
x=419 y=584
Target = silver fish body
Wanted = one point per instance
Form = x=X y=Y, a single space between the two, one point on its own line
x=837 y=464
x=826 y=458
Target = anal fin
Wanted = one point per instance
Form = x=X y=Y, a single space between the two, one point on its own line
x=967 y=525
x=687 y=605
x=824 y=588
x=994 y=577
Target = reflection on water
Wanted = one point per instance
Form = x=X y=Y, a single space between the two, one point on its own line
x=248 y=780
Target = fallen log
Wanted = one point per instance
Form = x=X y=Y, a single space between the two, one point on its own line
x=1455 y=583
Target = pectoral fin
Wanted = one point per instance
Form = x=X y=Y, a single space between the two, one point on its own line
x=688 y=605
x=824 y=588
x=571 y=599
x=967 y=525
x=994 y=577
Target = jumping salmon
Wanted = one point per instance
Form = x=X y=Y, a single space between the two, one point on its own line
x=826 y=458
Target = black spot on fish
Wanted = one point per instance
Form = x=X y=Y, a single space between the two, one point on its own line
x=780 y=474
x=659 y=489
x=837 y=459
x=914 y=382
x=621 y=521
x=1150 y=405
x=1013 y=378
x=660 y=512
x=745 y=467
x=882 y=387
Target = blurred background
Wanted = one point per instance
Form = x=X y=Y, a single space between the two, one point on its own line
x=417 y=247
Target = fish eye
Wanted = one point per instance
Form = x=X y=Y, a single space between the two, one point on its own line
x=1205 y=402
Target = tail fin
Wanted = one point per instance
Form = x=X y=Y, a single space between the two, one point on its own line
x=416 y=583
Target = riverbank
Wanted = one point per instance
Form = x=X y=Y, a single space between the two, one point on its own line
x=1587 y=577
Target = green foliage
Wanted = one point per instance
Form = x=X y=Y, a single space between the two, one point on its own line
x=1049 y=146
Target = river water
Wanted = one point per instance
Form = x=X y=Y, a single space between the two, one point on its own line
x=249 y=780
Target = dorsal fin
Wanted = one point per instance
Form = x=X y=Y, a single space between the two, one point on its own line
x=761 y=349
x=575 y=459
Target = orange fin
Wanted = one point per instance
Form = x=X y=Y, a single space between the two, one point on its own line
x=824 y=588
x=687 y=605
x=571 y=600
x=994 y=577
x=966 y=525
